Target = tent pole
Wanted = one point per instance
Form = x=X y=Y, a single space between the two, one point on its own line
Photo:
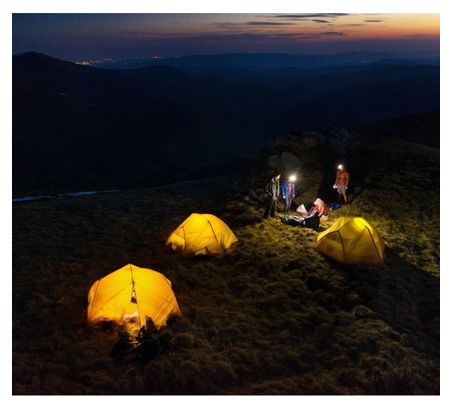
x=136 y=297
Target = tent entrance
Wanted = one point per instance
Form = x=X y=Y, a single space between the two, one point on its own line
x=131 y=318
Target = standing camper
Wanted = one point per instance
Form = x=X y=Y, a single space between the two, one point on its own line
x=272 y=189
x=341 y=183
x=288 y=191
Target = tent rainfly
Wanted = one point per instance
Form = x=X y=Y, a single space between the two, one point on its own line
x=201 y=234
x=132 y=292
x=351 y=240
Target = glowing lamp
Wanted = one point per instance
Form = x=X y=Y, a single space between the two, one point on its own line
x=293 y=177
x=340 y=167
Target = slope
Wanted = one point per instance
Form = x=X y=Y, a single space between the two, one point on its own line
x=78 y=127
x=271 y=317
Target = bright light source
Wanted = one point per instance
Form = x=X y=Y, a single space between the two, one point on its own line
x=293 y=177
x=340 y=167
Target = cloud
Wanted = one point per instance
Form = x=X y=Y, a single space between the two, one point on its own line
x=310 y=16
x=222 y=37
x=331 y=33
x=267 y=23
x=374 y=20
x=237 y=37
x=320 y=21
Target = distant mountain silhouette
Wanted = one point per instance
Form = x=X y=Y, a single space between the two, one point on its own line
x=268 y=61
x=79 y=127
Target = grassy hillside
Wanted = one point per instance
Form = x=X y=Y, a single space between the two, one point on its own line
x=271 y=317
x=422 y=128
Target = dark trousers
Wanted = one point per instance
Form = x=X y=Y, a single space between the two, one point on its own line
x=270 y=209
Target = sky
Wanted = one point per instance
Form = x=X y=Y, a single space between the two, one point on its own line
x=122 y=36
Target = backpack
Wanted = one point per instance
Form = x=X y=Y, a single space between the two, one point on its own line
x=291 y=220
x=311 y=222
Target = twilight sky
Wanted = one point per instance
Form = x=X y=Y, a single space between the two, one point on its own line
x=120 y=36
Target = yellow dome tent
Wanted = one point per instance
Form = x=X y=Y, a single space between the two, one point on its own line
x=132 y=292
x=201 y=234
x=351 y=240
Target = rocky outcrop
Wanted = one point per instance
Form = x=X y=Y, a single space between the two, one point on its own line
x=285 y=162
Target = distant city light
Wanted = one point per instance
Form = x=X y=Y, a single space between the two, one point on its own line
x=95 y=61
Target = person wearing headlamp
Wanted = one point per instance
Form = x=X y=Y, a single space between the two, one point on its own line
x=341 y=183
x=288 y=191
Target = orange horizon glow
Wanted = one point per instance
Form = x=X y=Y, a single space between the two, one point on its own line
x=353 y=26
x=132 y=35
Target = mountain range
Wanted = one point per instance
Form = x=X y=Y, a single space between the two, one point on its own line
x=79 y=127
x=268 y=61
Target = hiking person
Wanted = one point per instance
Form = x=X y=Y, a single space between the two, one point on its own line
x=272 y=189
x=309 y=219
x=318 y=208
x=312 y=219
x=341 y=183
x=288 y=191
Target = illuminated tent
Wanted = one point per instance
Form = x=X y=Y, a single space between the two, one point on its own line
x=132 y=292
x=201 y=234
x=351 y=240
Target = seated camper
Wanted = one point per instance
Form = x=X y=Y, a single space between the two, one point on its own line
x=309 y=219
x=318 y=208
x=312 y=221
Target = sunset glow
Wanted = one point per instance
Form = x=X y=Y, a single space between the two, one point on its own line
x=75 y=36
